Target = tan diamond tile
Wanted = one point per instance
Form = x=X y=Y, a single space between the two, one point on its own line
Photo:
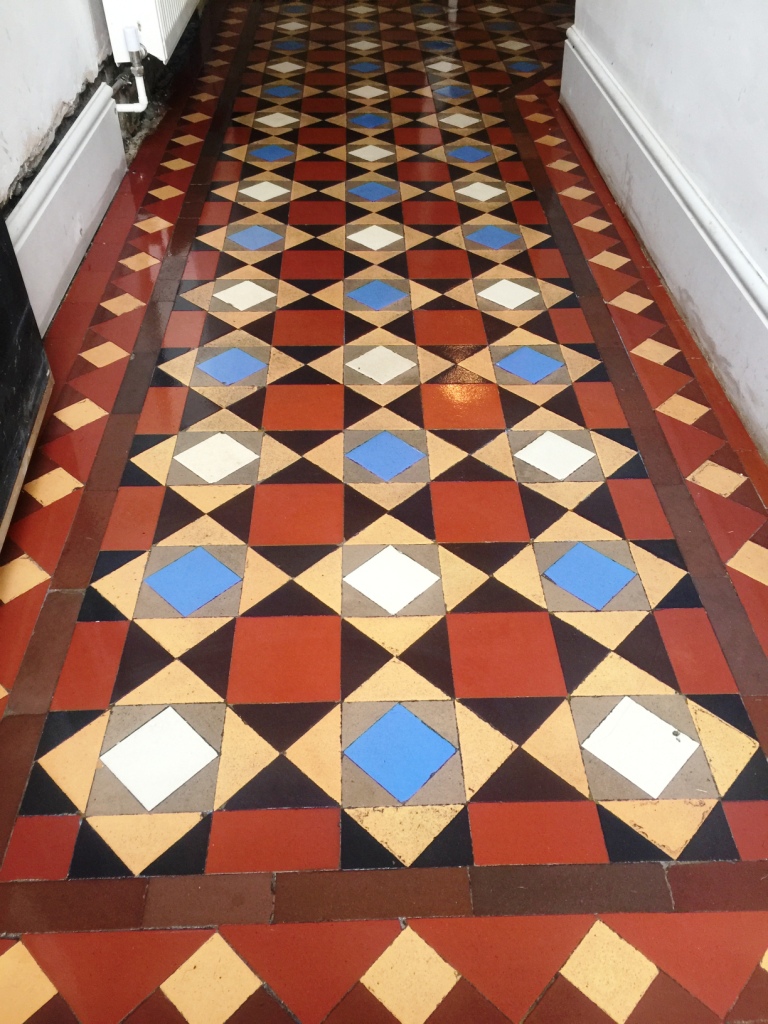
x=752 y=560
x=592 y=224
x=717 y=478
x=79 y=414
x=198 y=116
x=140 y=261
x=609 y=259
x=655 y=351
x=550 y=140
x=123 y=304
x=410 y=979
x=575 y=192
x=212 y=984
x=177 y=164
x=203 y=97
x=563 y=165
x=631 y=302
x=105 y=355
x=19 y=576
x=187 y=140
x=24 y=989
x=610 y=972
x=153 y=224
x=682 y=409
x=539 y=118
x=51 y=486
x=166 y=192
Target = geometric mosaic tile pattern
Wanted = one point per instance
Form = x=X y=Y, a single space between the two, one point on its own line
x=384 y=581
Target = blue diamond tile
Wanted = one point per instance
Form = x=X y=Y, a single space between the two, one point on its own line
x=289 y=45
x=501 y=26
x=400 y=752
x=452 y=91
x=529 y=364
x=362 y=26
x=436 y=45
x=386 y=456
x=231 y=367
x=589 y=576
x=255 y=237
x=271 y=153
x=372 y=191
x=192 y=581
x=524 y=66
x=281 y=90
x=369 y=120
x=469 y=154
x=493 y=237
x=365 y=67
x=377 y=295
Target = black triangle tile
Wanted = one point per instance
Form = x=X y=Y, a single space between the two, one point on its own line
x=160 y=379
x=430 y=656
x=515 y=408
x=187 y=856
x=471 y=470
x=304 y=375
x=62 y=725
x=302 y=441
x=409 y=407
x=452 y=848
x=522 y=779
x=493 y=596
x=210 y=658
x=566 y=404
x=301 y=472
x=540 y=512
x=623 y=843
x=92 y=857
x=752 y=783
x=542 y=326
x=250 y=408
x=713 y=841
x=621 y=435
x=359 y=512
x=235 y=515
x=357 y=407
x=109 y=561
x=294 y=560
x=599 y=508
x=197 y=408
x=579 y=654
x=665 y=549
x=290 y=599
x=403 y=327
x=360 y=850
x=598 y=374
x=43 y=796
x=280 y=784
x=142 y=658
x=684 y=595
x=517 y=718
x=729 y=707
x=632 y=470
x=486 y=557
x=458 y=375
x=135 y=477
x=355 y=327
x=175 y=513
x=645 y=648
x=283 y=724
x=468 y=441
x=416 y=512
x=361 y=657
x=96 y=608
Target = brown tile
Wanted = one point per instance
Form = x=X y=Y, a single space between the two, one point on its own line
x=90 y=905
x=719 y=886
x=563 y=1002
x=55 y=1011
x=569 y=889
x=156 y=1010
x=356 y=895
x=464 y=1003
x=212 y=900
x=757 y=707
x=113 y=452
x=82 y=548
x=752 y=1004
x=45 y=655
x=19 y=736
x=666 y=1002
x=359 y=1005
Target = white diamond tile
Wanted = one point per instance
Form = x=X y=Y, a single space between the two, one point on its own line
x=509 y=294
x=375 y=237
x=292 y=26
x=431 y=26
x=555 y=455
x=285 y=67
x=514 y=44
x=367 y=92
x=363 y=45
x=361 y=9
x=641 y=746
x=244 y=295
x=459 y=120
x=481 y=191
x=391 y=579
x=158 y=758
x=277 y=120
x=381 y=365
x=216 y=458
x=370 y=153
x=443 y=66
x=265 y=191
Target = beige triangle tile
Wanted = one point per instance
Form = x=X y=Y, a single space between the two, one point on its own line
x=156 y=462
x=430 y=365
x=274 y=457
x=539 y=394
x=396 y=634
x=177 y=636
x=442 y=454
x=389 y=530
x=121 y=587
x=182 y=367
x=616 y=676
x=222 y=422
x=483 y=749
x=553 y=293
x=323 y=580
x=610 y=454
x=207 y=498
x=556 y=745
x=658 y=577
x=460 y=579
x=331 y=364
x=543 y=419
x=752 y=560
x=243 y=755
x=421 y=295
x=668 y=824
x=174 y=684
x=464 y=293
x=396 y=681
x=24 y=988
x=329 y=456
x=318 y=754
x=200 y=296
x=577 y=363
x=72 y=764
x=20 y=576
x=521 y=574
x=481 y=363
x=139 y=839
x=608 y=628
x=727 y=749
x=382 y=394
x=569 y=494
x=385 y=419
x=498 y=456
x=261 y=578
x=215 y=239
x=204 y=532
x=387 y=496
x=572 y=526
x=405 y=831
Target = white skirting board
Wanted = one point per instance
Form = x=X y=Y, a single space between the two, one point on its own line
x=57 y=217
x=716 y=285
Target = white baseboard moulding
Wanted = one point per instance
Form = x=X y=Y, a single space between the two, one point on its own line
x=718 y=288
x=55 y=220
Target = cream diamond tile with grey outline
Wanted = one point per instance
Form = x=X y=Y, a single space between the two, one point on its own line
x=216 y=458
x=394 y=364
x=554 y=455
x=402 y=579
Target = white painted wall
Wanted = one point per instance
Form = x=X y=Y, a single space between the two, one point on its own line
x=670 y=98
x=49 y=50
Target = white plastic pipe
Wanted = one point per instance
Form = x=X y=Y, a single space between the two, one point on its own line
x=137 y=54
x=143 y=102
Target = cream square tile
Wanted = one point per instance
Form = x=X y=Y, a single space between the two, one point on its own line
x=105 y=355
x=19 y=576
x=592 y=224
x=51 y=486
x=654 y=350
x=178 y=164
x=80 y=414
x=752 y=560
x=123 y=304
x=210 y=986
x=575 y=192
x=717 y=478
x=608 y=258
x=166 y=192
x=410 y=979
x=153 y=224
x=24 y=988
x=631 y=302
x=141 y=260
x=682 y=409
x=550 y=140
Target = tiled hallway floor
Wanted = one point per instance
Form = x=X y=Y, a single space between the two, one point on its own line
x=391 y=553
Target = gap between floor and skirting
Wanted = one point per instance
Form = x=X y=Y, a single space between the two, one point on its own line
x=718 y=288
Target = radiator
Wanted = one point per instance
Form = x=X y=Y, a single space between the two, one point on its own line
x=160 y=23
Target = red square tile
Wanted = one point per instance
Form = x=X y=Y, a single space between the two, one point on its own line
x=304 y=407
x=43 y=534
x=548 y=263
x=513 y=170
x=694 y=651
x=423 y=170
x=449 y=327
x=320 y=170
x=134 y=517
x=430 y=212
x=323 y=105
x=438 y=263
x=537 y=833
x=314 y=136
x=482 y=511
x=90 y=668
x=308 y=327
x=305 y=211
x=227 y=170
x=215 y=214
x=200 y=266
x=299 y=266
x=599 y=405
x=298 y=514
x=40 y=848
x=529 y=211
x=504 y=654
x=419 y=136
x=17 y=620
x=274 y=840
x=298 y=659
x=571 y=327
x=162 y=412
x=461 y=407
x=749 y=826
x=640 y=510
